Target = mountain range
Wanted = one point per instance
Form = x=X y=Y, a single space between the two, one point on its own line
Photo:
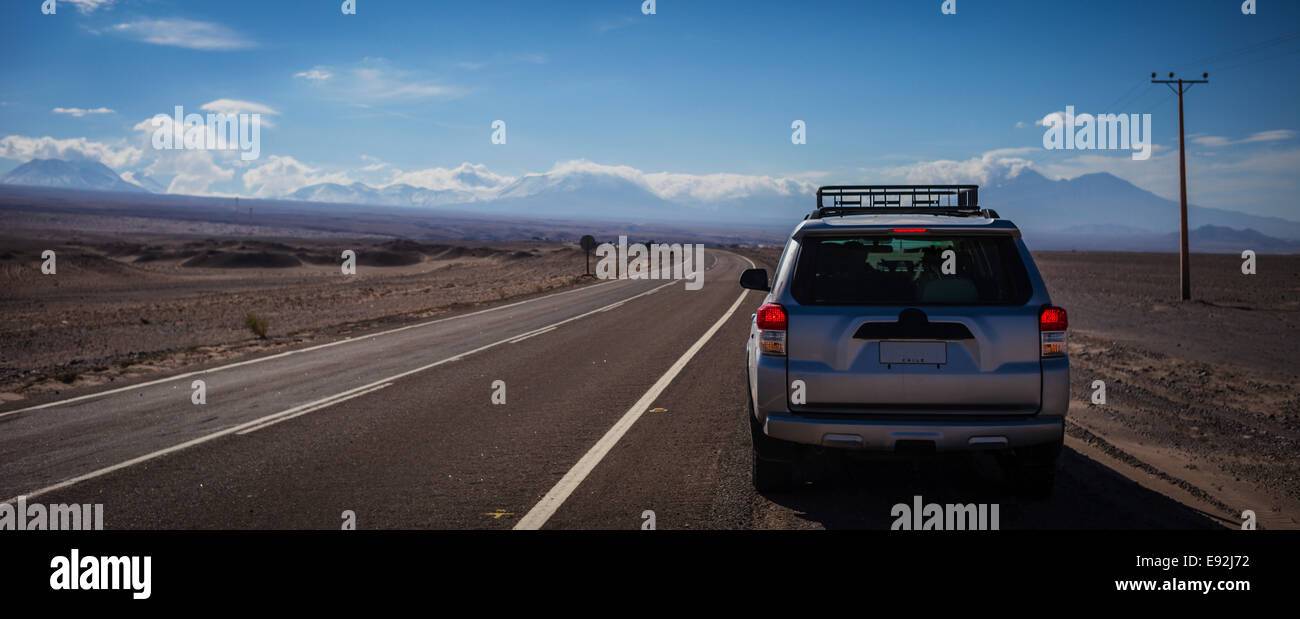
x=1102 y=203
x=1087 y=205
x=389 y=195
x=1091 y=211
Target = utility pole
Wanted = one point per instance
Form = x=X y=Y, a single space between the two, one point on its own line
x=1184 y=259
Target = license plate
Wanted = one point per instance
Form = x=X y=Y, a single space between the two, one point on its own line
x=928 y=353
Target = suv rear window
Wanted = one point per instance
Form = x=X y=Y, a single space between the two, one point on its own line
x=907 y=270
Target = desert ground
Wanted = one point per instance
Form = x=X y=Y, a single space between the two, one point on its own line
x=1203 y=394
x=122 y=309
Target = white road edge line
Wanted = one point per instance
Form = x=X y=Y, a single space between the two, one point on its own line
x=263 y=420
x=545 y=508
x=290 y=352
x=313 y=409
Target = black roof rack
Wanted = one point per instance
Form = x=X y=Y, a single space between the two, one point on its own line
x=953 y=200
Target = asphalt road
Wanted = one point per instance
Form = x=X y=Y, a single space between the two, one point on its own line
x=620 y=398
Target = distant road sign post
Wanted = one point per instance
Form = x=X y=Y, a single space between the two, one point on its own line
x=588 y=244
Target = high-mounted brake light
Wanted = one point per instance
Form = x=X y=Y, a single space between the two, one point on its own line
x=1052 y=325
x=911 y=230
x=771 y=321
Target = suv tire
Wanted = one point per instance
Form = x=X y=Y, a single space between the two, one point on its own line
x=774 y=468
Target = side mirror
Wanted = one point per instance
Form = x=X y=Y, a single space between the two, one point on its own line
x=754 y=279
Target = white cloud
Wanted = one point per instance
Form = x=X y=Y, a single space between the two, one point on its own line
x=231 y=107
x=374 y=164
x=721 y=186
x=685 y=187
x=995 y=164
x=192 y=171
x=501 y=59
x=89 y=6
x=235 y=106
x=1214 y=141
x=467 y=177
x=1270 y=136
x=178 y=32
x=24 y=148
x=315 y=74
x=280 y=176
x=79 y=112
x=385 y=84
x=613 y=24
x=377 y=80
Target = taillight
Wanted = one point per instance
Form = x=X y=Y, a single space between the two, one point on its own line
x=1052 y=326
x=771 y=316
x=771 y=321
x=907 y=230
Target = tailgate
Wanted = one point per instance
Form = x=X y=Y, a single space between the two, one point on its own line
x=882 y=327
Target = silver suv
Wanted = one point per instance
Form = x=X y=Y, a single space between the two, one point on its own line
x=906 y=319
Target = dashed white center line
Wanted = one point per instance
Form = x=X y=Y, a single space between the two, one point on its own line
x=312 y=409
x=533 y=334
x=305 y=408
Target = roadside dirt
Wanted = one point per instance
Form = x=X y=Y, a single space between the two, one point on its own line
x=1205 y=392
x=123 y=309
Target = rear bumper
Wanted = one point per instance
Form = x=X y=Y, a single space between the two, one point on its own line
x=954 y=435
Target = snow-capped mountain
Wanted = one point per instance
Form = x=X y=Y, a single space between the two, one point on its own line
x=1091 y=208
x=1107 y=205
x=580 y=189
x=83 y=174
x=144 y=180
x=390 y=195
x=584 y=194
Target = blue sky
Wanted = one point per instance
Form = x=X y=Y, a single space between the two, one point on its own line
x=405 y=91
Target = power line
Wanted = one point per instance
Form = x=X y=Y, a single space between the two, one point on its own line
x=1114 y=105
x=1141 y=100
x=1257 y=60
x=1133 y=95
x=1242 y=51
